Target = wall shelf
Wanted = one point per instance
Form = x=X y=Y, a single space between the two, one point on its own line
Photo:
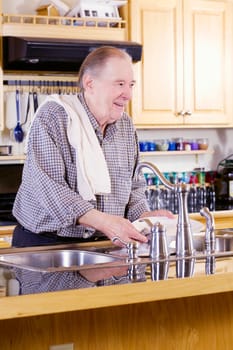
x=14 y=159
x=19 y=159
x=178 y=153
x=197 y=153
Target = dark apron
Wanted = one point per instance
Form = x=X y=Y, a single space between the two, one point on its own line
x=25 y=238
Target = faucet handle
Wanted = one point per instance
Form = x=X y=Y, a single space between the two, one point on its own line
x=132 y=247
x=158 y=244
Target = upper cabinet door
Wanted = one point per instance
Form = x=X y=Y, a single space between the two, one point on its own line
x=208 y=62
x=158 y=94
x=185 y=77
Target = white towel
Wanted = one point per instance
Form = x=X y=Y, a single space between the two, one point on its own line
x=92 y=171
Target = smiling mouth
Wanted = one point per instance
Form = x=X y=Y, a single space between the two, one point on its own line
x=119 y=106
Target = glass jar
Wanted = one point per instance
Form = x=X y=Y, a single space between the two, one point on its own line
x=162 y=145
x=151 y=146
x=143 y=146
x=187 y=145
x=194 y=145
x=180 y=144
x=203 y=144
x=171 y=145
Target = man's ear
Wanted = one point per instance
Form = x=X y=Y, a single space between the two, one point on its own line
x=87 y=82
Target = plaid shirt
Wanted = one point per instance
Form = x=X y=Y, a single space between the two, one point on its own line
x=48 y=198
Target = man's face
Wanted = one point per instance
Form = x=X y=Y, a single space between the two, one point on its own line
x=108 y=92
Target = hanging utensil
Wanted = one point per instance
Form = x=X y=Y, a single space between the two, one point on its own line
x=35 y=101
x=27 y=108
x=18 y=131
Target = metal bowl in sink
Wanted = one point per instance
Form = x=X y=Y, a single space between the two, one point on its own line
x=57 y=260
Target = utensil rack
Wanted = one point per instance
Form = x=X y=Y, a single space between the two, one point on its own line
x=46 y=86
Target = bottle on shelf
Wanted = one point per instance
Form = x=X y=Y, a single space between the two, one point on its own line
x=192 y=196
x=157 y=195
x=201 y=189
x=211 y=197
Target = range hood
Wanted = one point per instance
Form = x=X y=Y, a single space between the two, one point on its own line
x=37 y=54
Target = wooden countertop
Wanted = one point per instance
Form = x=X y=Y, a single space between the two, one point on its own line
x=5 y=236
x=6 y=230
x=220 y=214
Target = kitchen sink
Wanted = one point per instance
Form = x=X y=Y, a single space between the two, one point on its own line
x=59 y=260
x=75 y=259
x=224 y=241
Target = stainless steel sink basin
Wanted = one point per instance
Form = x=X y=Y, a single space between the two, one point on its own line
x=224 y=241
x=58 y=260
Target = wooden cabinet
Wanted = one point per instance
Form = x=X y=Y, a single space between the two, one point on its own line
x=185 y=78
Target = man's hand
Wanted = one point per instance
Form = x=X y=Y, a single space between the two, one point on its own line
x=112 y=226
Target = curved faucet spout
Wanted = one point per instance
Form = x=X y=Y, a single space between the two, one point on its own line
x=184 y=238
x=156 y=171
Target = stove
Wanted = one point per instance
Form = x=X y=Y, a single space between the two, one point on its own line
x=10 y=179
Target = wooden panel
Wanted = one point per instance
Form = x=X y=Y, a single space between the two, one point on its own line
x=188 y=323
x=159 y=61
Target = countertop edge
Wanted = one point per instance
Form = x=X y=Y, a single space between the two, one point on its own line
x=100 y=297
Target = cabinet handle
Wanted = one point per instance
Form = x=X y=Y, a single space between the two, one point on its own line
x=188 y=113
x=181 y=113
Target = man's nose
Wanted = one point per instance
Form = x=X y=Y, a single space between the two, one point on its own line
x=127 y=92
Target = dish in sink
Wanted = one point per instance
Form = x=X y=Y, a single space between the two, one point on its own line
x=170 y=224
x=143 y=225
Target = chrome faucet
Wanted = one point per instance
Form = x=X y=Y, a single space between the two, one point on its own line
x=184 y=238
